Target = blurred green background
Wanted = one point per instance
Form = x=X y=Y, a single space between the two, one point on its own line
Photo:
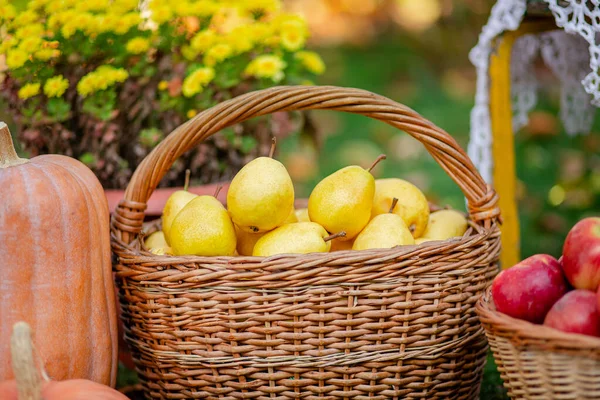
x=416 y=52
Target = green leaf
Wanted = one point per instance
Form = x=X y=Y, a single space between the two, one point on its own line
x=88 y=159
x=101 y=104
x=58 y=109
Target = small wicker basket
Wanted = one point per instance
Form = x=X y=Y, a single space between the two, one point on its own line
x=537 y=362
x=389 y=323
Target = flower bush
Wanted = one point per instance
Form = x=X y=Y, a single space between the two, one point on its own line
x=105 y=80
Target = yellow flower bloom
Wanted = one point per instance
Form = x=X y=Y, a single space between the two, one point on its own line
x=191 y=113
x=123 y=6
x=240 y=39
x=103 y=77
x=26 y=18
x=92 y=5
x=53 y=7
x=204 y=8
x=264 y=5
x=267 y=66
x=126 y=22
x=46 y=54
x=138 y=45
x=30 y=30
x=161 y=13
x=189 y=53
x=163 y=85
x=7 y=44
x=31 y=44
x=56 y=86
x=203 y=40
x=197 y=80
x=36 y=4
x=292 y=39
x=217 y=54
x=311 y=61
x=29 y=90
x=16 y=58
x=7 y=12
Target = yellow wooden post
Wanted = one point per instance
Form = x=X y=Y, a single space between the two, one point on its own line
x=503 y=147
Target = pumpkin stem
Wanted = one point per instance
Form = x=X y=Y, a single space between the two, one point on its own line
x=29 y=384
x=8 y=155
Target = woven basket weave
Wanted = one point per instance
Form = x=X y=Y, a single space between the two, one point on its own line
x=537 y=362
x=389 y=323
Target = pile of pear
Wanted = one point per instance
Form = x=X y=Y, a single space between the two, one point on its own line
x=347 y=210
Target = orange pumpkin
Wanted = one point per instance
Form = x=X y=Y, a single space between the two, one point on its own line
x=55 y=264
x=33 y=384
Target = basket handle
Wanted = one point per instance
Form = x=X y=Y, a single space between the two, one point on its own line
x=129 y=216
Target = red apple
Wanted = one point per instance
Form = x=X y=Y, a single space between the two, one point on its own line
x=576 y=312
x=581 y=254
x=530 y=288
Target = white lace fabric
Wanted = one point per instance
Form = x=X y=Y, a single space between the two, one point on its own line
x=572 y=54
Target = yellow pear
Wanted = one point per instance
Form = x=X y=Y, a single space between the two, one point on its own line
x=261 y=195
x=300 y=237
x=384 y=231
x=445 y=224
x=412 y=203
x=302 y=215
x=341 y=245
x=343 y=200
x=203 y=227
x=291 y=218
x=174 y=204
x=162 y=251
x=246 y=241
x=155 y=240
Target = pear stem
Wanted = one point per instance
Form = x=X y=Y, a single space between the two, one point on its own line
x=381 y=157
x=29 y=382
x=394 y=202
x=273 y=144
x=217 y=191
x=8 y=154
x=186 y=185
x=334 y=236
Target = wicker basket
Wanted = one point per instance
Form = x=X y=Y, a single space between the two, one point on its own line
x=537 y=362
x=390 y=323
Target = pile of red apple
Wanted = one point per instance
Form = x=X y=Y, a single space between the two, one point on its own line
x=563 y=294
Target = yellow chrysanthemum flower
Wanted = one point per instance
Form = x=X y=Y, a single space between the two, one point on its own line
x=92 y=5
x=37 y=4
x=161 y=13
x=123 y=6
x=217 y=53
x=31 y=44
x=267 y=66
x=7 y=12
x=7 y=44
x=26 y=18
x=56 y=86
x=197 y=81
x=311 y=61
x=30 y=30
x=103 y=77
x=163 y=85
x=124 y=23
x=203 y=40
x=16 y=58
x=191 y=113
x=292 y=39
x=204 y=8
x=53 y=7
x=46 y=54
x=264 y=5
x=29 y=90
x=138 y=45
x=240 y=39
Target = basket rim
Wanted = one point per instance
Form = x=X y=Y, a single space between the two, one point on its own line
x=524 y=333
x=475 y=233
